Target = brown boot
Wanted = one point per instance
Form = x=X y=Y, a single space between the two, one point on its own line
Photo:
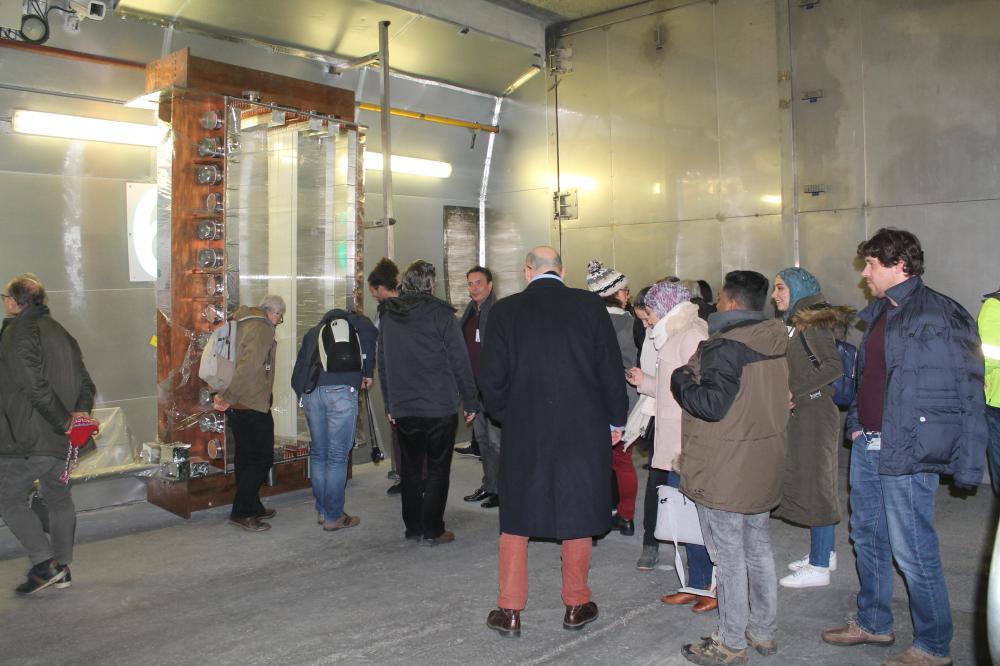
x=917 y=657
x=853 y=634
x=713 y=652
x=505 y=621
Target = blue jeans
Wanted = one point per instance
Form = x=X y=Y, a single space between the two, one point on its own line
x=698 y=562
x=993 y=448
x=332 y=415
x=821 y=542
x=893 y=516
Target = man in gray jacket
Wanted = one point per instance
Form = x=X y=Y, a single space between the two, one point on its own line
x=43 y=387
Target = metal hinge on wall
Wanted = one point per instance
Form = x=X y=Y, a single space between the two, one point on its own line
x=565 y=205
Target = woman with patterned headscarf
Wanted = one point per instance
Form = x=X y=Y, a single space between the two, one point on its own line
x=676 y=332
x=809 y=489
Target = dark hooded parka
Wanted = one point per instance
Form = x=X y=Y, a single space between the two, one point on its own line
x=809 y=488
x=551 y=374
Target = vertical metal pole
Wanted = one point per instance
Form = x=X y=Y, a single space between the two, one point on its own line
x=383 y=58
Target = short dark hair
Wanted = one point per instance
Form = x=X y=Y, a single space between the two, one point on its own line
x=748 y=288
x=385 y=274
x=480 y=269
x=26 y=289
x=891 y=246
x=640 y=299
x=419 y=278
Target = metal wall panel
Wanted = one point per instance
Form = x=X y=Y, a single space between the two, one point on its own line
x=515 y=223
x=827 y=245
x=698 y=255
x=582 y=245
x=521 y=149
x=959 y=241
x=749 y=149
x=21 y=153
x=826 y=47
x=114 y=328
x=664 y=123
x=585 y=129
x=754 y=243
x=931 y=87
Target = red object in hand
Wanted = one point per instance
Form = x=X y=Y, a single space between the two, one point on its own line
x=81 y=430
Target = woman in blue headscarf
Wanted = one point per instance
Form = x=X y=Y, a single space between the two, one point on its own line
x=809 y=490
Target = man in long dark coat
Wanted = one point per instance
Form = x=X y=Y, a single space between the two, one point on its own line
x=551 y=374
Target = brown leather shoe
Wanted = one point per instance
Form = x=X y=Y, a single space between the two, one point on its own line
x=444 y=537
x=577 y=616
x=341 y=523
x=505 y=621
x=251 y=523
x=705 y=604
x=678 y=598
x=853 y=634
x=917 y=657
x=268 y=514
x=765 y=648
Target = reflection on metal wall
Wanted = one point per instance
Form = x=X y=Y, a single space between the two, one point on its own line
x=461 y=251
x=673 y=144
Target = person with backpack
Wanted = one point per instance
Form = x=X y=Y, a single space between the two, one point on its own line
x=246 y=402
x=809 y=487
x=336 y=360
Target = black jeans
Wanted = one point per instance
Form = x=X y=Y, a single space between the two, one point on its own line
x=651 y=501
x=425 y=440
x=253 y=434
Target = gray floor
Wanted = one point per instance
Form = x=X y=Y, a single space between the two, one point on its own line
x=150 y=588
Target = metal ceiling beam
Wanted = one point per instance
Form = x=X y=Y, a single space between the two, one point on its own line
x=483 y=17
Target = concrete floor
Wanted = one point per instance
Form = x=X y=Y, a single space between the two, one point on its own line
x=150 y=588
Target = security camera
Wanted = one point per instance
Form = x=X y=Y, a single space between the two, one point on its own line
x=90 y=9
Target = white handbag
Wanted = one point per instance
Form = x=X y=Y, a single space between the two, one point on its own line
x=677 y=521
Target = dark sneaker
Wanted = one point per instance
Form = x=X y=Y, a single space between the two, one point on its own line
x=578 y=616
x=713 y=652
x=505 y=621
x=40 y=577
x=647 y=561
x=444 y=537
x=252 y=524
x=468 y=451
x=394 y=489
x=268 y=514
x=66 y=581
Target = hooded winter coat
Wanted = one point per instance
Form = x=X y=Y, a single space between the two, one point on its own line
x=423 y=364
x=734 y=393
x=42 y=381
x=809 y=489
x=685 y=331
x=624 y=325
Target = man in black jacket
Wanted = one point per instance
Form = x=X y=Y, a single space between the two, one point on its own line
x=43 y=387
x=487 y=432
x=919 y=412
x=424 y=370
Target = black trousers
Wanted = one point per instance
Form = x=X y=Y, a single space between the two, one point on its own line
x=651 y=501
x=425 y=441
x=253 y=434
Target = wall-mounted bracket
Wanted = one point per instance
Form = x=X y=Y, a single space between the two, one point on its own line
x=815 y=189
x=812 y=96
x=566 y=205
x=561 y=60
x=808 y=4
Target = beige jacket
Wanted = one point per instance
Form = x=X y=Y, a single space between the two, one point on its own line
x=685 y=331
x=253 y=378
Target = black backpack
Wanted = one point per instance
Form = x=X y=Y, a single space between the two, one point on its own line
x=338 y=349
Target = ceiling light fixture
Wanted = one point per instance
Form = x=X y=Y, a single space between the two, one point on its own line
x=411 y=165
x=87 y=129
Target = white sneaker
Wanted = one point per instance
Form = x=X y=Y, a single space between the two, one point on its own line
x=807 y=576
x=798 y=564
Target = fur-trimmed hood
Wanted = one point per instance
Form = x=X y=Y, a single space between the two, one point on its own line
x=814 y=312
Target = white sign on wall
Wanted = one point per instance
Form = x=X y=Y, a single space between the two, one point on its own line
x=140 y=206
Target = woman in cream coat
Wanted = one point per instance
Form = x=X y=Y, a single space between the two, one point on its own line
x=676 y=333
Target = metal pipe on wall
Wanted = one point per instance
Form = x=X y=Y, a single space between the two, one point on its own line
x=383 y=55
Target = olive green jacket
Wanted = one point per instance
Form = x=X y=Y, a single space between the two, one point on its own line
x=253 y=378
x=42 y=381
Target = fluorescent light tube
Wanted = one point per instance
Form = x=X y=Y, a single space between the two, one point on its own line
x=410 y=165
x=87 y=129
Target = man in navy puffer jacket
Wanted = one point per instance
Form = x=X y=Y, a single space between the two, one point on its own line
x=919 y=413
